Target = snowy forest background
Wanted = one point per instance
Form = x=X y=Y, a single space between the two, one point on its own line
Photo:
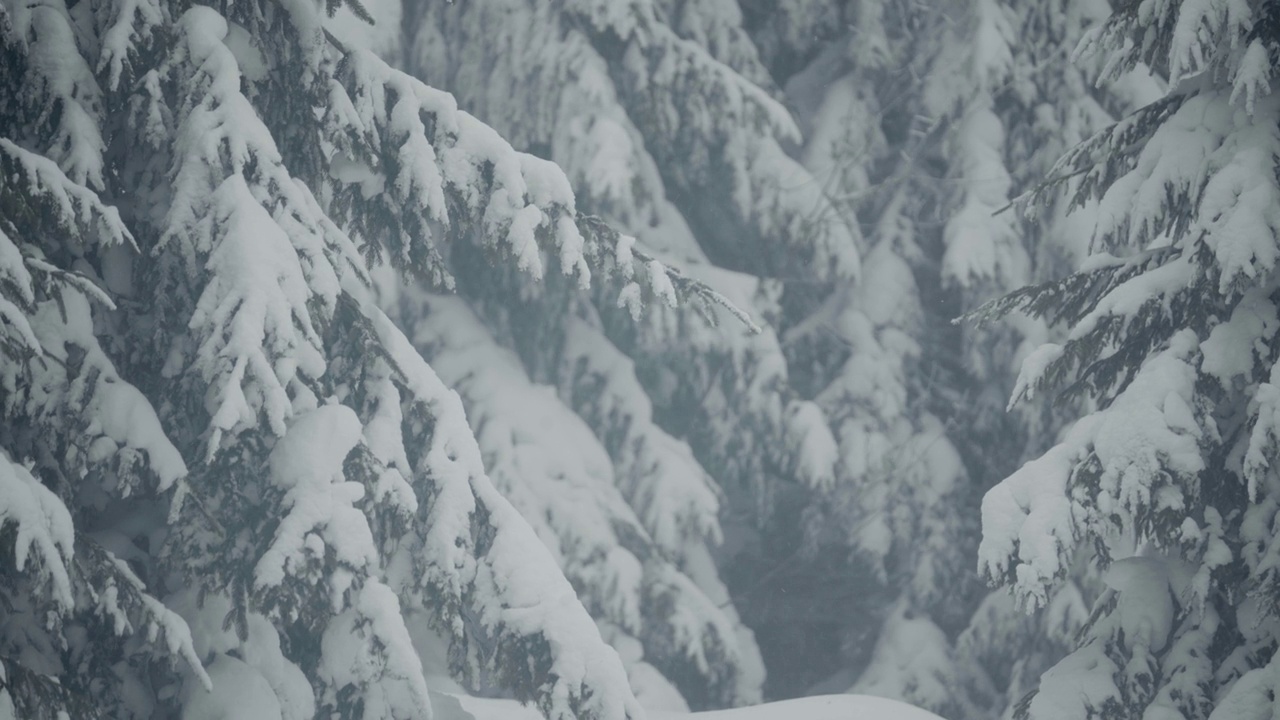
x=639 y=356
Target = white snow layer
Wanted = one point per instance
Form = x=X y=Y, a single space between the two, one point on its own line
x=45 y=532
x=307 y=464
x=911 y=660
x=260 y=652
x=550 y=465
x=1146 y=446
x=517 y=587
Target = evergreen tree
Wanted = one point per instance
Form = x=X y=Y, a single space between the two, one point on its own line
x=221 y=464
x=1167 y=482
x=923 y=122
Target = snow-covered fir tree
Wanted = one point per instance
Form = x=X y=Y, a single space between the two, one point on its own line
x=924 y=121
x=222 y=465
x=1167 y=484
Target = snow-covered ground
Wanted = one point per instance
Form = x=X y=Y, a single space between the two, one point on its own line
x=826 y=707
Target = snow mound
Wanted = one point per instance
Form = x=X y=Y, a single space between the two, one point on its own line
x=824 y=707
